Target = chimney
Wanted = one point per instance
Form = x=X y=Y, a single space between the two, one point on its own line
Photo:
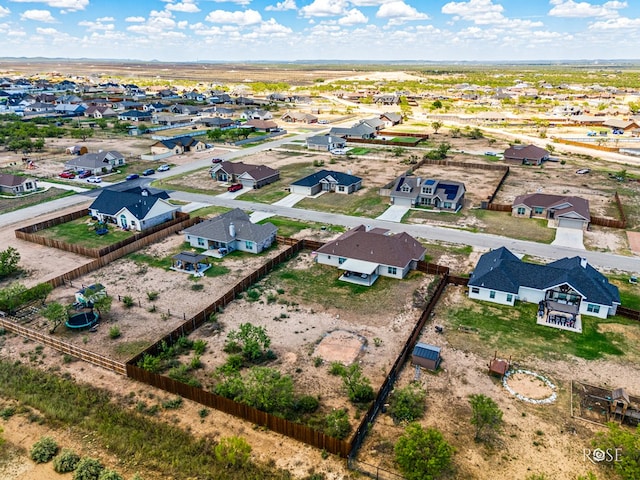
x=232 y=230
x=583 y=262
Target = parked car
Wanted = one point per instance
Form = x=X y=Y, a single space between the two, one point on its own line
x=618 y=131
x=591 y=133
x=164 y=168
x=85 y=174
x=94 y=179
x=491 y=154
x=132 y=176
x=338 y=151
x=235 y=187
x=323 y=122
x=148 y=171
x=216 y=160
x=583 y=171
x=67 y=175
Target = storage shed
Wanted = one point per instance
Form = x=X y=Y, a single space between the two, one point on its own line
x=426 y=356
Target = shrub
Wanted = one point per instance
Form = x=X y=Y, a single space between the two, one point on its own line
x=407 y=404
x=43 y=450
x=253 y=295
x=150 y=363
x=66 y=462
x=337 y=424
x=196 y=287
x=199 y=346
x=337 y=369
x=151 y=296
x=172 y=404
x=317 y=361
x=110 y=475
x=422 y=454
x=128 y=301
x=306 y=404
x=232 y=452
x=195 y=363
x=88 y=469
x=114 y=332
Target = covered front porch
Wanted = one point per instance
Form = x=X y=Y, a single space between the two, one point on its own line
x=189 y=262
x=359 y=272
x=559 y=315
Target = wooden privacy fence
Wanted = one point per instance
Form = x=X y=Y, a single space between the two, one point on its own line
x=274 y=423
x=59 y=345
x=497 y=207
x=628 y=313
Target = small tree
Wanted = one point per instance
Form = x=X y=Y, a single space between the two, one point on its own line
x=268 y=390
x=627 y=463
x=357 y=385
x=486 y=416
x=436 y=125
x=9 y=260
x=407 y=404
x=233 y=452
x=102 y=304
x=422 y=454
x=252 y=341
x=337 y=424
x=56 y=313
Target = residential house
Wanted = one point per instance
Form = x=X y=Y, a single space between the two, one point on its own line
x=376 y=123
x=412 y=191
x=216 y=122
x=135 y=209
x=387 y=99
x=97 y=163
x=256 y=115
x=97 y=111
x=231 y=231
x=361 y=130
x=617 y=124
x=365 y=254
x=178 y=145
x=70 y=109
x=299 y=117
x=326 y=181
x=16 y=184
x=567 y=285
x=564 y=211
x=525 y=155
x=250 y=176
x=218 y=98
x=325 y=142
x=261 y=125
x=135 y=116
x=390 y=119
x=221 y=112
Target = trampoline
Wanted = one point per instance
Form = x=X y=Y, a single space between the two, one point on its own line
x=82 y=320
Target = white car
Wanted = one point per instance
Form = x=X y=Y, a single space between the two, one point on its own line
x=94 y=179
x=164 y=168
x=338 y=151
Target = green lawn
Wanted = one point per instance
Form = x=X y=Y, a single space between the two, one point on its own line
x=629 y=292
x=513 y=331
x=82 y=232
x=288 y=227
x=276 y=190
x=320 y=285
x=364 y=203
x=503 y=224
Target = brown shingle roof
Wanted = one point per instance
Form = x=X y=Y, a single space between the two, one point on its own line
x=575 y=204
x=257 y=172
x=376 y=246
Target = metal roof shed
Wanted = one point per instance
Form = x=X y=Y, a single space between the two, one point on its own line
x=426 y=356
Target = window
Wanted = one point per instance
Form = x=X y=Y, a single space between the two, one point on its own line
x=392 y=270
x=425 y=201
x=341 y=188
x=593 y=308
x=248 y=244
x=447 y=205
x=521 y=210
x=538 y=210
x=200 y=242
x=492 y=294
x=509 y=297
x=341 y=260
x=426 y=190
x=475 y=290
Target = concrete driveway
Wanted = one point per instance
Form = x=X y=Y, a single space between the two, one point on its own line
x=569 y=237
x=290 y=200
x=232 y=195
x=393 y=214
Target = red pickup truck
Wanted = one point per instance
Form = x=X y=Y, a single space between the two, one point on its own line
x=235 y=187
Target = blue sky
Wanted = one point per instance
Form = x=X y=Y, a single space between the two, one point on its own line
x=287 y=30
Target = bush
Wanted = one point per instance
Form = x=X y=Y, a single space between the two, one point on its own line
x=150 y=363
x=66 y=462
x=43 y=450
x=128 y=301
x=114 y=332
x=407 y=404
x=337 y=424
x=172 y=404
x=233 y=452
x=337 y=369
x=88 y=469
x=196 y=287
x=151 y=296
x=199 y=346
x=306 y=404
x=422 y=454
x=253 y=295
x=110 y=475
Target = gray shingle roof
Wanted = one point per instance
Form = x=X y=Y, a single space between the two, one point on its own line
x=315 y=178
x=217 y=228
x=501 y=270
x=110 y=202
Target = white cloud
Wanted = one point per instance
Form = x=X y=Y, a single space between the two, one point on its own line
x=353 y=17
x=399 y=12
x=38 y=16
x=369 y=3
x=477 y=11
x=96 y=26
x=237 y=2
x=70 y=5
x=159 y=23
x=282 y=6
x=47 y=31
x=246 y=17
x=105 y=19
x=135 y=19
x=271 y=28
x=4 y=11
x=324 y=8
x=570 y=8
x=186 y=6
x=620 y=24
x=183 y=24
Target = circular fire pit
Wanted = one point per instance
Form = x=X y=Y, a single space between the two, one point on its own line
x=529 y=387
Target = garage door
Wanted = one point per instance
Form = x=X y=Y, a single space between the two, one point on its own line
x=402 y=201
x=570 y=223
